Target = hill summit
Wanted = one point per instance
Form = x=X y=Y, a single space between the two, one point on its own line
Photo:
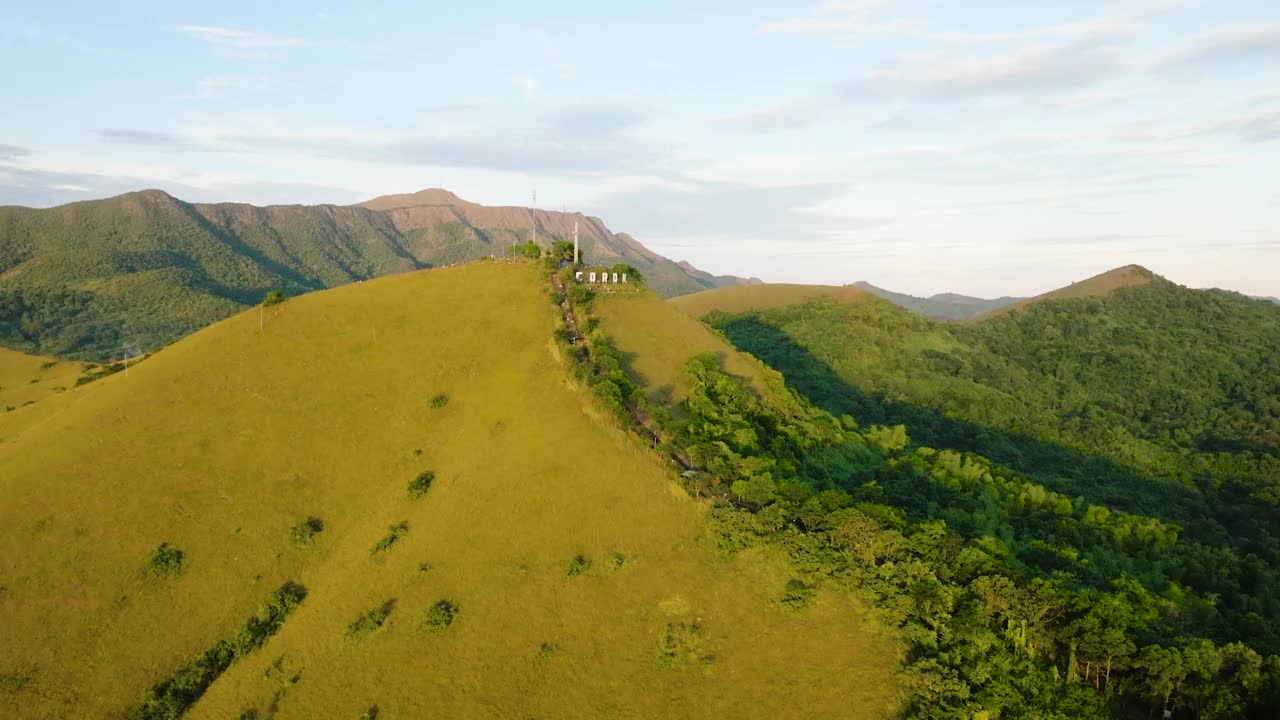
x=430 y=196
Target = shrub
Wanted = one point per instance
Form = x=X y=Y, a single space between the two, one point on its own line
x=302 y=533
x=439 y=617
x=275 y=297
x=683 y=642
x=579 y=565
x=394 y=533
x=617 y=559
x=798 y=594
x=419 y=485
x=526 y=250
x=165 y=561
x=171 y=697
x=371 y=621
x=547 y=649
x=439 y=401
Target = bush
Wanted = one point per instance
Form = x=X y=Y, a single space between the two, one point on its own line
x=371 y=621
x=165 y=561
x=683 y=642
x=547 y=649
x=302 y=533
x=579 y=565
x=172 y=696
x=798 y=594
x=439 y=617
x=439 y=401
x=526 y=250
x=419 y=485
x=275 y=297
x=394 y=533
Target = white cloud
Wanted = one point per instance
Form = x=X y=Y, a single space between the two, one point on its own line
x=1226 y=46
x=528 y=85
x=775 y=117
x=843 y=16
x=242 y=39
x=1250 y=127
x=1035 y=69
x=69 y=187
x=221 y=85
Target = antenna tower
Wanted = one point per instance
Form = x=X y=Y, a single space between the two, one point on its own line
x=575 y=243
x=533 y=221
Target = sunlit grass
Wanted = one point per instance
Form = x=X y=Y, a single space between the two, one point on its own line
x=226 y=443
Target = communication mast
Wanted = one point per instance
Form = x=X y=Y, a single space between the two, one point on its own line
x=575 y=243
x=533 y=221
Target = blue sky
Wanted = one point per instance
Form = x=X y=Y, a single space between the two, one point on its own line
x=980 y=147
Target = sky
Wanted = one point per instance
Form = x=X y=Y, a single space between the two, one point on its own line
x=982 y=147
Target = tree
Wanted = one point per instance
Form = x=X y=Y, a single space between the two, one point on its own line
x=1163 y=671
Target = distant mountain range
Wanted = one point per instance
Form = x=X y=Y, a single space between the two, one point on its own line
x=943 y=306
x=101 y=278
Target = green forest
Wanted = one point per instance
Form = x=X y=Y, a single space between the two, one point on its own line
x=1085 y=489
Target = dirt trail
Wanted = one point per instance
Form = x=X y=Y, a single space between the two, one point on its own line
x=639 y=420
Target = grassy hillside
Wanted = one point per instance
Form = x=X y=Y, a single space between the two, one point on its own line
x=657 y=341
x=25 y=379
x=944 y=306
x=760 y=297
x=1097 y=286
x=91 y=280
x=222 y=446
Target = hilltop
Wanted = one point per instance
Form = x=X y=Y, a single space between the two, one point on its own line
x=742 y=298
x=547 y=566
x=942 y=306
x=716 y=281
x=1098 y=286
x=96 y=279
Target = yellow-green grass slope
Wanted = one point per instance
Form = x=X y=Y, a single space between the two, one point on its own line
x=743 y=298
x=1100 y=285
x=222 y=442
x=657 y=340
x=26 y=379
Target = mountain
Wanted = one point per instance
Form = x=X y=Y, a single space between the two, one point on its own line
x=1097 y=286
x=551 y=497
x=393 y=498
x=943 y=306
x=716 y=281
x=1126 y=400
x=106 y=278
x=741 y=298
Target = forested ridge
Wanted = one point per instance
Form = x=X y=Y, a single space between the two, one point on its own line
x=1111 y=464
x=101 y=279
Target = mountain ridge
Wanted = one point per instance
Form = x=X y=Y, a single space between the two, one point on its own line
x=940 y=306
x=144 y=268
